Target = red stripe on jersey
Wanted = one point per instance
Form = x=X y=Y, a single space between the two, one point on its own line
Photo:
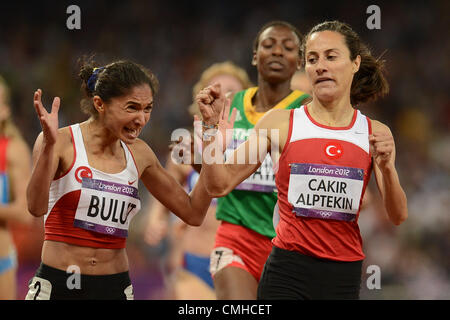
x=134 y=160
x=74 y=156
x=291 y=121
x=355 y=113
x=59 y=226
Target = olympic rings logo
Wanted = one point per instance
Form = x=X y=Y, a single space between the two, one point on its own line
x=325 y=214
x=110 y=230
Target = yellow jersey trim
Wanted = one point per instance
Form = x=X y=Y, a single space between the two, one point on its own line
x=253 y=116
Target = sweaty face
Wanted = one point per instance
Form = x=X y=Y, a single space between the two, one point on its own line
x=328 y=65
x=277 y=56
x=125 y=116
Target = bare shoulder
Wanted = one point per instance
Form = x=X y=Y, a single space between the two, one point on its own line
x=143 y=154
x=379 y=127
x=139 y=147
x=274 y=119
x=63 y=141
x=64 y=144
x=64 y=135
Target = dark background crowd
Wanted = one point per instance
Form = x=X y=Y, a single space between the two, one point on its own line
x=178 y=40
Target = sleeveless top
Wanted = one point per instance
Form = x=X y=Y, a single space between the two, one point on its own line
x=88 y=207
x=322 y=177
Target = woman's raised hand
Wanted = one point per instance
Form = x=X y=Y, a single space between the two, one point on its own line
x=211 y=102
x=49 y=121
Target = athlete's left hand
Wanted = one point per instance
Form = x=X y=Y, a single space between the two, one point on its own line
x=382 y=148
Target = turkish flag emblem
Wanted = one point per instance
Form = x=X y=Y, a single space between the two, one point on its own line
x=333 y=150
x=83 y=172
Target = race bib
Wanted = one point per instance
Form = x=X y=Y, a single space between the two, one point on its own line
x=262 y=180
x=325 y=191
x=106 y=207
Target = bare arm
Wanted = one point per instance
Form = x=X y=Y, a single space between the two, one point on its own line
x=222 y=178
x=191 y=208
x=45 y=157
x=383 y=152
x=19 y=170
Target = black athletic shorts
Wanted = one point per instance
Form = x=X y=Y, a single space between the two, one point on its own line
x=289 y=275
x=54 y=284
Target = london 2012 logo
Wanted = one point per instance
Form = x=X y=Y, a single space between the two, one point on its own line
x=82 y=172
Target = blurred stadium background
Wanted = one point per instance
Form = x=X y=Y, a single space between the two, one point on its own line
x=177 y=40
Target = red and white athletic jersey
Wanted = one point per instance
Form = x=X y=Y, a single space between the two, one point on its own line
x=88 y=207
x=322 y=176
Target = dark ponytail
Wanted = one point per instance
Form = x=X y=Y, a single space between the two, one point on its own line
x=113 y=80
x=369 y=83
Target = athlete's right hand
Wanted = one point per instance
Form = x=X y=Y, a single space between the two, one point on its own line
x=49 y=121
x=211 y=102
x=225 y=124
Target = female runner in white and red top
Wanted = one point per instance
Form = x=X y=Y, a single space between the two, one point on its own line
x=85 y=180
x=327 y=152
x=323 y=173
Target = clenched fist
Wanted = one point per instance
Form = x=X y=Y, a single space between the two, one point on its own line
x=382 y=147
x=211 y=102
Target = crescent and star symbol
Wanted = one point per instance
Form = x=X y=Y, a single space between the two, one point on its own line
x=334 y=150
x=82 y=172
